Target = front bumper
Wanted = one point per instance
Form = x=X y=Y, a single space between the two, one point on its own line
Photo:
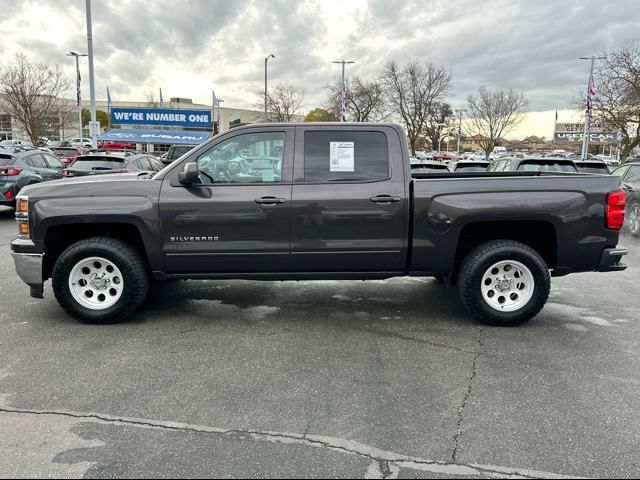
x=29 y=269
x=611 y=260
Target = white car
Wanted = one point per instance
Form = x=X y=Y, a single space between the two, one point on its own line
x=80 y=142
x=16 y=143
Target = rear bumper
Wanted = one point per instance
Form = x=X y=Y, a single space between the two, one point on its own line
x=611 y=260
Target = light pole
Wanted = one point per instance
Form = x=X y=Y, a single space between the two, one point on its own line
x=460 y=111
x=92 y=86
x=587 y=112
x=440 y=125
x=266 y=61
x=78 y=94
x=343 y=92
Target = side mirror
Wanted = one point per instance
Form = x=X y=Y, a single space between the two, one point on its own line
x=190 y=174
x=628 y=188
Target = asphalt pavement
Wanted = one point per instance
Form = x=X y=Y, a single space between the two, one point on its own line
x=381 y=379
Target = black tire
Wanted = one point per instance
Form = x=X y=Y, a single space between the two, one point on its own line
x=480 y=260
x=125 y=257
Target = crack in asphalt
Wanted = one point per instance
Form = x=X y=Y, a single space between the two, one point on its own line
x=400 y=336
x=474 y=371
x=389 y=463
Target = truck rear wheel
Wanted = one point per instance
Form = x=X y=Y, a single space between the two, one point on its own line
x=504 y=283
x=100 y=280
x=634 y=219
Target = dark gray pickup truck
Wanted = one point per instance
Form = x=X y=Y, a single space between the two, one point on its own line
x=315 y=201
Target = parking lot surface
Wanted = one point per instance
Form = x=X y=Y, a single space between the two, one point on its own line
x=382 y=379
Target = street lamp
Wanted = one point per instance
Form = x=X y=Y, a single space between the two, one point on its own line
x=266 y=60
x=343 y=92
x=92 y=87
x=460 y=111
x=78 y=95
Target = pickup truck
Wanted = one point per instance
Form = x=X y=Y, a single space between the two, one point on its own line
x=315 y=201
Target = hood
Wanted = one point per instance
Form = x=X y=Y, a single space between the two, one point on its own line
x=89 y=185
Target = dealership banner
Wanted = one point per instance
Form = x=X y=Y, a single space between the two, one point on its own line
x=594 y=137
x=161 y=117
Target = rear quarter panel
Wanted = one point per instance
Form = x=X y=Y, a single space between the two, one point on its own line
x=573 y=204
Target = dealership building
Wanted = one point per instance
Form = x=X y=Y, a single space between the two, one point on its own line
x=152 y=127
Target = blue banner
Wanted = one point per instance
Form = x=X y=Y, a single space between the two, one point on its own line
x=161 y=117
x=168 y=137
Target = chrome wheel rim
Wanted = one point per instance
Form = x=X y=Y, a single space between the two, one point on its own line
x=507 y=286
x=96 y=283
x=634 y=220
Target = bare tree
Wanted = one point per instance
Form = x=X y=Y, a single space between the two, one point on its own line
x=493 y=114
x=151 y=100
x=439 y=116
x=364 y=100
x=617 y=102
x=283 y=103
x=31 y=94
x=412 y=91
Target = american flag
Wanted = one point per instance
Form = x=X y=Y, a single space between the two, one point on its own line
x=590 y=96
x=343 y=105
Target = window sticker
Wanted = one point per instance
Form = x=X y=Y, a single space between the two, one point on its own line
x=342 y=157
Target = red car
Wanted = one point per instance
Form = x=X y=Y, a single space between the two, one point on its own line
x=67 y=155
x=109 y=145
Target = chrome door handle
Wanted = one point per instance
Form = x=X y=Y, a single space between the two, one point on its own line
x=270 y=201
x=385 y=199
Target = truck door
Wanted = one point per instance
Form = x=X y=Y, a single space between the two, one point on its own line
x=237 y=219
x=350 y=200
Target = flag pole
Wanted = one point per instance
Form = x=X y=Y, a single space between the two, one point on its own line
x=587 y=114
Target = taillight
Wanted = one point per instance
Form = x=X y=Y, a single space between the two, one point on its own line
x=616 y=203
x=68 y=160
x=67 y=173
x=8 y=195
x=10 y=171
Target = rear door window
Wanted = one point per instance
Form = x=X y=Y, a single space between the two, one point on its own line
x=593 y=168
x=347 y=156
x=38 y=161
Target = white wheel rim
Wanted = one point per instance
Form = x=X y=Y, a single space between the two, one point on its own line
x=96 y=283
x=634 y=219
x=507 y=286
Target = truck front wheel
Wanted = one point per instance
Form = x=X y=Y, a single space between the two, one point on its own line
x=100 y=280
x=504 y=283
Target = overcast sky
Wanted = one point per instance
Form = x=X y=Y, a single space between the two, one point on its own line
x=190 y=47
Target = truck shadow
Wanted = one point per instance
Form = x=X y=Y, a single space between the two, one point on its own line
x=399 y=300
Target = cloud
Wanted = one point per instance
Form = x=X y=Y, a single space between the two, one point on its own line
x=189 y=46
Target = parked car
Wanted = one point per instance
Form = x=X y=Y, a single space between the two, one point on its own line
x=477 y=155
x=16 y=143
x=467 y=166
x=630 y=176
x=342 y=205
x=22 y=167
x=67 y=155
x=53 y=144
x=428 y=166
x=100 y=163
x=175 y=152
x=80 y=142
x=112 y=145
x=592 y=166
x=546 y=164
